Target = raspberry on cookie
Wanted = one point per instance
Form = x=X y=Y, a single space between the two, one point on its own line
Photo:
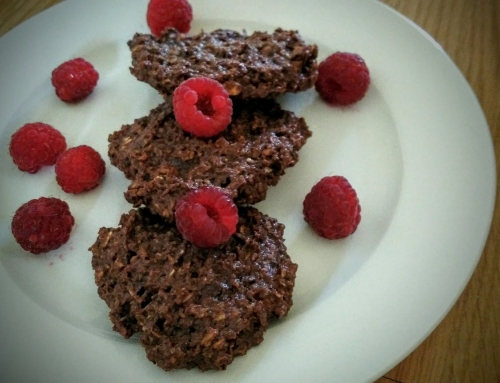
x=202 y=106
x=206 y=216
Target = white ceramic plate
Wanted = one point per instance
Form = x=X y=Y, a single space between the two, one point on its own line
x=416 y=148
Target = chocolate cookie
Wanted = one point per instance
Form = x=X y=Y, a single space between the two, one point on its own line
x=193 y=307
x=164 y=162
x=248 y=66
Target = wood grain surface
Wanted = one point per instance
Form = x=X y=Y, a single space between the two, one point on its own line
x=465 y=347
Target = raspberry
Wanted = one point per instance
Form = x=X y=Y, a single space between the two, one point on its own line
x=206 y=216
x=176 y=14
x=43 y=224
x=202 y=106
x=35 y=145
x=332 y=208
x=79 y=169
x=74 y=80
x=343 y=79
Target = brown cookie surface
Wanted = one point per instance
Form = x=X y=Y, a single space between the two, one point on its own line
x=248 y=66
x=193 y=307
x=164 y=162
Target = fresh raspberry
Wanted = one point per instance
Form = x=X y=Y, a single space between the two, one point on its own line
x=35 y=145
x=206 y=216
x=343 y=79
x=202 y=106
x=79 y=169
x=176 y=14
x=74 y=80
x=43 y=224
x=332 y=208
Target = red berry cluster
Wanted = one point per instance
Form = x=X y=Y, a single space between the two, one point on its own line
x=332 y=207
x=206 y=217
x=35 y=145
x=44 y=224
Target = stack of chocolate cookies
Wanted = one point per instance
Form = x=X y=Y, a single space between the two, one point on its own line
x=192 y=306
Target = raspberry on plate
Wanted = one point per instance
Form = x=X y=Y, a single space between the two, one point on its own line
x=74 y=80
x=332 y=208
x=162 y=14
x=202 y=106
x=35 y=145
x=343 y=79
x=43 y=224
x=79 y=169
x=206 y=216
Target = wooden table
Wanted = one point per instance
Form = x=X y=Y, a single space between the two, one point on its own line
x=465 y=347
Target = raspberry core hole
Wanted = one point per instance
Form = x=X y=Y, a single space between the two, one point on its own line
x=211 y=212
x=204 y=104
